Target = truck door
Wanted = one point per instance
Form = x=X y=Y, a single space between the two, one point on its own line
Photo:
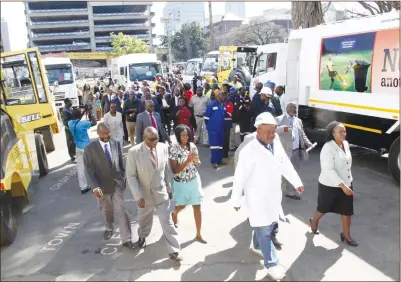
x=225 y=65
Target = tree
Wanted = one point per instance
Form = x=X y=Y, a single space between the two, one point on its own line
x=376 y=7
x=256 y=32
x=306 y=14
x=126 y=44
x=188 y=43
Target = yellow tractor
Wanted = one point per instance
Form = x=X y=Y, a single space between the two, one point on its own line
x=28 y=121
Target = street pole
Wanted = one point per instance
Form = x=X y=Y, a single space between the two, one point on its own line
x=211 y=27
x=166 y=21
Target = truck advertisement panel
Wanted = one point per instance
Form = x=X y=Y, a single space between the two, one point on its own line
x=367 y=62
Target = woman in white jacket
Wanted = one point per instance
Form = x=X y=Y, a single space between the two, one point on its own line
x=114 y=121
x=335 y=193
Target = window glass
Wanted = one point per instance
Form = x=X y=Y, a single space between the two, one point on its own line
x=226 y=60
x=144 y=71
x=17 y=81
x=266 y=63
x=33 y=59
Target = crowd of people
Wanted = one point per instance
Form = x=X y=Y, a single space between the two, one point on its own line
x=163 y=176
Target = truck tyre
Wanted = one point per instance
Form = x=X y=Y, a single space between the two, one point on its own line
x=48 y=139
x=394 y=159
x=41 y=154
x=8 y=221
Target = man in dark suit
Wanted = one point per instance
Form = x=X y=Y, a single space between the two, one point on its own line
x=67 y=116
x=174 y=104
x=106 y=101
x=106 y=175
x=150 y=118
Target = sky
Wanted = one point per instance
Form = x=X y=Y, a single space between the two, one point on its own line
x=13 y=12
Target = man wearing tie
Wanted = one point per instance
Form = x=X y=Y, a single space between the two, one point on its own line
x=295 y=143
x=150 y=118
x=149 y=177
x=106 y=175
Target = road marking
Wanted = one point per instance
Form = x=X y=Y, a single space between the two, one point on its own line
x=58 y=239
x=63 y=180
x=111 y=249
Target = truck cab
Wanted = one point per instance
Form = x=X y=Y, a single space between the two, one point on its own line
x=193 y=66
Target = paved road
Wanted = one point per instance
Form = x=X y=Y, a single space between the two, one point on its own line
x=60 y=233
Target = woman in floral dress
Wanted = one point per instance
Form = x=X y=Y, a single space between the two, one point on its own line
x=184 y=159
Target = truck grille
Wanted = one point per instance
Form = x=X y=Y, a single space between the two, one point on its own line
x=59 y=96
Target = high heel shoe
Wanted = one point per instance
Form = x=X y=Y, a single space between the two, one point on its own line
x=315 y=231
x=351 y=243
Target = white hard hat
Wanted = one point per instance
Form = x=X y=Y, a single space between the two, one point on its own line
x=265 y=118
x=266 y=91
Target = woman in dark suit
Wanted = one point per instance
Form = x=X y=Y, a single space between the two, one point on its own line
x=335 y=192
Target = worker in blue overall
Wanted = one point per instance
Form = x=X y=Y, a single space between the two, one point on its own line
x=214 y=119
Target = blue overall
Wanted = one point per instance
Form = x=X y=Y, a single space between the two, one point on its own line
x=214 y=119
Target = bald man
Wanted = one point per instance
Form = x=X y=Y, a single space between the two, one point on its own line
x=149 y=177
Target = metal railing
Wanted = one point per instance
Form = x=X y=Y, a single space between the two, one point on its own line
x=60 y=34
x=63 y=47
x=60 y=22
x=59 y=10
x=119 y=14
x=104 y=48
x=136 y=35
x=120 y=25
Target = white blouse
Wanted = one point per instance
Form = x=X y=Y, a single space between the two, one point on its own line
x=335 y=165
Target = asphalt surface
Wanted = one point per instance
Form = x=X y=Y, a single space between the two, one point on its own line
x=60 y=236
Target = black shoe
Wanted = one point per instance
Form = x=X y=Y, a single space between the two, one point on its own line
x=176 y=257
x=294 y=197
x=315 y=231
x=351 y=243
x=276 y=242
x=129 y=245
x=206 y=145
x=72 y=159
x=107 y=234
x=85 y=190
x=141 y=243
x=215 y=166
x=234 y=149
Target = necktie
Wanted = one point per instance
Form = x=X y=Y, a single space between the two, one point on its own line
x=107 y=153
x=292 y=127
x=152 y=119
x=270 y=148
x=153 y=158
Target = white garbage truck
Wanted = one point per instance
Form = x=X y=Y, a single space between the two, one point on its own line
x=349 y=71
x=60 y=74
x=130 y=68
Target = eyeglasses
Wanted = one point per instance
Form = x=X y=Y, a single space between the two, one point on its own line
x=153 y=139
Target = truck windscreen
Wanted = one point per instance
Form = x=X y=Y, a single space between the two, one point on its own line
x=60 y=73
x=144 y=71
x=210 y=64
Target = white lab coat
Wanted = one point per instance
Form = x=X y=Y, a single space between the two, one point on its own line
x=258 y=174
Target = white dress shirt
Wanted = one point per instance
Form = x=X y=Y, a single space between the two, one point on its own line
x=154 y=151
x=108 y=147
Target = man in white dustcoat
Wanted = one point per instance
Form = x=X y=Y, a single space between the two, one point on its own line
x=258 y=173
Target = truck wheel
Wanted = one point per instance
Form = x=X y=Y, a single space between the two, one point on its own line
x=8 y=221
x=394 y=159
x=48 y=139
x=41 y=154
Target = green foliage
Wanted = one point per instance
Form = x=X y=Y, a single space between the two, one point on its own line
x=126 y=44
x=188 y=43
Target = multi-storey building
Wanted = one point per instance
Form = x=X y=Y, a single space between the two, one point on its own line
x=180 y=13
x=5 y=36
x=81 y=26
x=236 y=8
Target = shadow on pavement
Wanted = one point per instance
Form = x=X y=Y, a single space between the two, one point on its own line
x=223 y=199
x=229 y=264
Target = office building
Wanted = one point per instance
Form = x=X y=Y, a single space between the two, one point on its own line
x=5 y=36
x=181 y=13
x=81 y=26
x=236 y=8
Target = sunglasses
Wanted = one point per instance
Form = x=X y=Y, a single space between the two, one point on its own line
x=152 y=106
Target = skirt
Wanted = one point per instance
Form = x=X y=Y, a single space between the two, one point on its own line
x=334 y=200
x=188 y=193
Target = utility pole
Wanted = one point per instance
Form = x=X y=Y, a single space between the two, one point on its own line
x=166 y=21
x=211 y=27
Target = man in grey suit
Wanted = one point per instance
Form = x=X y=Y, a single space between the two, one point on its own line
x=295 y=143
x=106 y=175
x=150 y=179
x=150 y=118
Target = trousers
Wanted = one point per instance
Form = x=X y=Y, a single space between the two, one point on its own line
x=226 y=142
x=233 y=143
x=201 y=131
x=296 y=162
x=131 y=126
x=107 y=204
x=145 y=222
x=83 y=184
x=262 y=241
x=70 y=143
x=216 y=142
